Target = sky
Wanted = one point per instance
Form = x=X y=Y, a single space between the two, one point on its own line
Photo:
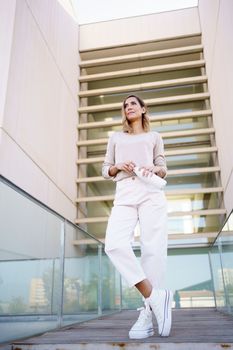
x=89 y=11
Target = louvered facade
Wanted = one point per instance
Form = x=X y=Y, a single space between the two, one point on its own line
x=170 y=76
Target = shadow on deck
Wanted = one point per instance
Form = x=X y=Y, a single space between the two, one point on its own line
x=192 y=329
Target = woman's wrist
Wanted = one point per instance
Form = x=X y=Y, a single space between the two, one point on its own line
x=113 y=170
x=159 y=171
x=156 y=169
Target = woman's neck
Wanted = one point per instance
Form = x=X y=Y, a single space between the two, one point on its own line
x=137 y=128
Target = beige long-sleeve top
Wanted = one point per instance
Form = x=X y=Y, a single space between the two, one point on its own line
x=145 y=149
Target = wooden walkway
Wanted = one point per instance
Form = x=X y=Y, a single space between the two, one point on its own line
x=192 y=329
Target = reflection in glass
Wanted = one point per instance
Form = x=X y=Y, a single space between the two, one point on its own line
x=221 y=257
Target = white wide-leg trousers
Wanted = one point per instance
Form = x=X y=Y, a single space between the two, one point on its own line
x=136 y=201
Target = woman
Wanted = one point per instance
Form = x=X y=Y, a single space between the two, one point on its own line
x=137 y=201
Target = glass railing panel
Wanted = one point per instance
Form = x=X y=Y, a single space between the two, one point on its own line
x=111 y=286
x=29 y=266
x=91 y=285
x=81 y=276
x=221 y=254
x=188 y=275
x=217 y=277
x=227 y=267
x=52 y=273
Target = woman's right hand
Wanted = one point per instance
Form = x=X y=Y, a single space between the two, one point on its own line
x=128 y=166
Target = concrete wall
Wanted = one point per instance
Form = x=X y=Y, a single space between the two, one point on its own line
x=138 y=29
x=216 y=18
x=38 y=100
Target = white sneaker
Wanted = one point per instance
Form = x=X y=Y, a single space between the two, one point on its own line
x=160 y=301
x=143 y=327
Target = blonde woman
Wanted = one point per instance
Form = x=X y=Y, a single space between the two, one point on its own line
x=138 y=201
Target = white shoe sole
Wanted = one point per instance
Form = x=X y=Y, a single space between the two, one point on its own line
x=141 y=335
x=167 y=314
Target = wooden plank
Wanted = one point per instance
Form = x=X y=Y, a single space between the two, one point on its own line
x=192 y=329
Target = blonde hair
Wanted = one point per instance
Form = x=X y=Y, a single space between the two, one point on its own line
x=145 y=117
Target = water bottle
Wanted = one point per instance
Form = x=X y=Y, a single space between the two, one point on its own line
x=154 y=180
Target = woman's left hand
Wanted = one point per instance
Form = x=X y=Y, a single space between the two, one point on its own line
x=147 y=170
x=150 y=170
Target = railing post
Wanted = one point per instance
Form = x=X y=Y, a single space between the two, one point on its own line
x=120 y=281
x=61 y=274
x=223 y=279
x=212 y=279
x=100 y=280
x=52 y=291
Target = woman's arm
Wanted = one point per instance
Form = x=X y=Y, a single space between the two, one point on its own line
x=159 y=161
x=109 y=159
x=109 y=168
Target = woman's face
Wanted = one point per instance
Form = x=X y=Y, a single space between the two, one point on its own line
x=133 y=109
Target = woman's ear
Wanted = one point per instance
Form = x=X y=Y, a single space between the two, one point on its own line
x=143 y=110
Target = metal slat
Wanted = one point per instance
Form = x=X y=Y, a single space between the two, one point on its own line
x=167 y=153
x=149 y=102
x=169 y=134
x=144 y=86
x=157 y=118
x=168 y=193
x=141 y=56
x=144 y=70
x=169 y=173
x=205 y=212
